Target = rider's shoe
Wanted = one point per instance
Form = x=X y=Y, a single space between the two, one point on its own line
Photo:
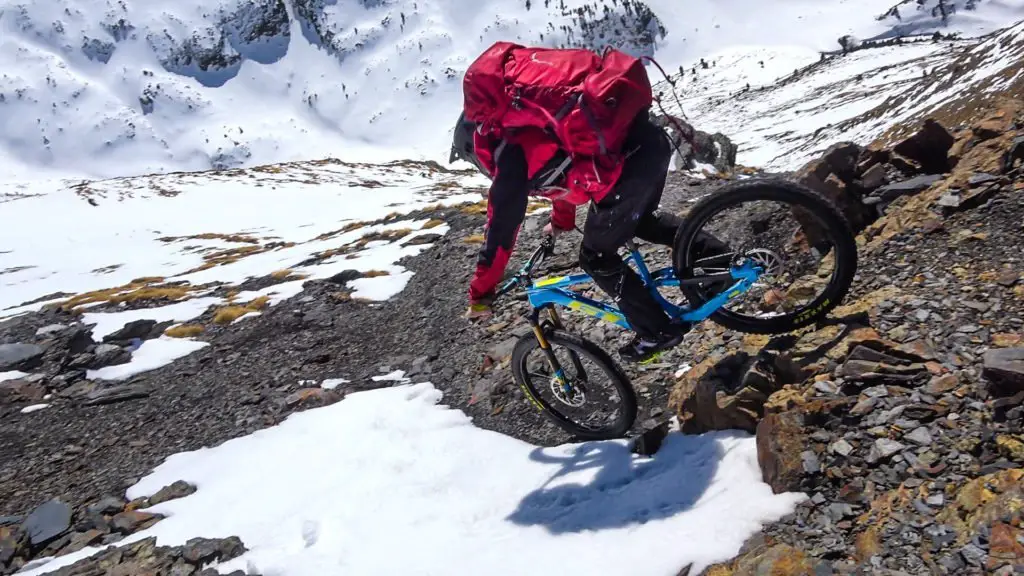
x=642 y=349
x=479 y=310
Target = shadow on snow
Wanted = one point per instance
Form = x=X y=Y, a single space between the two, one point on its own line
x=624 y=489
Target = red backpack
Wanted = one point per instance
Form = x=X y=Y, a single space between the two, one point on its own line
x=586 y=100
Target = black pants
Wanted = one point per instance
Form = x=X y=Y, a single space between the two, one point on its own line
x=631 y=210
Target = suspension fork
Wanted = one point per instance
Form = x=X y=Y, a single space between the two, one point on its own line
x=555 y=323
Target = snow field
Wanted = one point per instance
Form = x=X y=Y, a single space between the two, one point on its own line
x=392 y=482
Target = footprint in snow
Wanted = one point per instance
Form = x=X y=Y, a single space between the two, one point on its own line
x=310 y=532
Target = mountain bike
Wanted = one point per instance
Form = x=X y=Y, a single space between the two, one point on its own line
x=558 y=383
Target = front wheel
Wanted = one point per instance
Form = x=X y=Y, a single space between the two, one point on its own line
x=800 y=241
x=591 y=399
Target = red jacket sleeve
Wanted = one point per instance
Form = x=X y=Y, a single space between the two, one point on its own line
x=563 y=215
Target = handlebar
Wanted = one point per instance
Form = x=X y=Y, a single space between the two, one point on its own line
x=523 y=277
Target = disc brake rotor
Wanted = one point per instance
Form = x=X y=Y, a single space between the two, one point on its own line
x=767 y=259
x=574 y=398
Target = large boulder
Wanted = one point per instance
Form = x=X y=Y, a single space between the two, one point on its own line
x=47 y=522
x=109 y=355
x=729 y=392
x=20 y=356
x=928 y=148
x=862 y=182
x=141 y=329
x=781 y=442
x=835 y=176
x=21 y=390
x=1004 y=368
x=693 y=147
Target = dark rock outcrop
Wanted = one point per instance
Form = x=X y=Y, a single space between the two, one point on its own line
x=695 y=146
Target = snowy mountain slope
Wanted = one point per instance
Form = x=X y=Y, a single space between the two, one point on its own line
x=100 y=88
x=207 y=230
x=783 y=106
x=967 y=17
x=111 y=88
x=171 y=247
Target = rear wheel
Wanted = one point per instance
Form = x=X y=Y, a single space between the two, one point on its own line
x=596 y=400
x=801 y=241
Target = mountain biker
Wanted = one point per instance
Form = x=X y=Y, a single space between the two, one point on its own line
x=628 y=210
x=576 y=127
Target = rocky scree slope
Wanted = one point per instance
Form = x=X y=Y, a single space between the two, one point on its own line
x=902 y=421
x=97 y=438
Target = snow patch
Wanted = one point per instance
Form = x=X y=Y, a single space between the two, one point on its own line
x=395 y=376
x=33 y=408
x=380 y=288
x=152 y=354
x=399 y=468
x=109 y=322
x=332 y=383
x=12 y=375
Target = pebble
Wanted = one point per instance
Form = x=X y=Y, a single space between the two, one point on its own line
x=51 y=329
x=922 y=508
x=821 y=436
x=890 y=415
x=979 y=306
x=876 y=392
x=973 y=555
x=864 y=406
x=953 y=564
x=910 y=536
x=810 y=462
x=841 y=447
x=936 y=500
x=906 y=424
x=839 y=510
x=884 y=448
x=920 y=436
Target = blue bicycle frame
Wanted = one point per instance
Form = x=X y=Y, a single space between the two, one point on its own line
x=555 y=291
x=547 y=293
